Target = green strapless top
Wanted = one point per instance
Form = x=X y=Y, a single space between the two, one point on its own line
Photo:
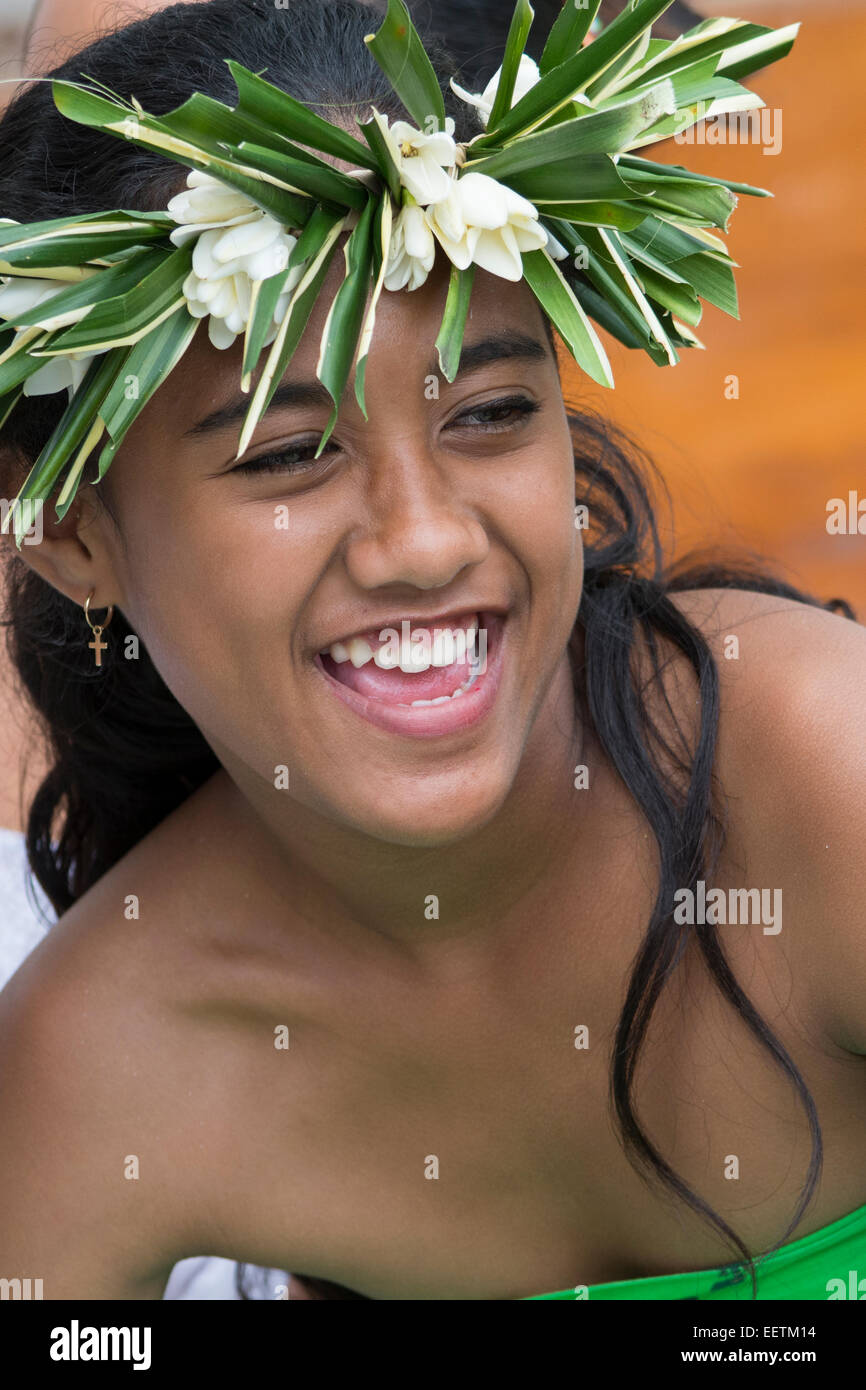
x=828 y=1264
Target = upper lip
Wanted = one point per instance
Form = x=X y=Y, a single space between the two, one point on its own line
x=442 y=619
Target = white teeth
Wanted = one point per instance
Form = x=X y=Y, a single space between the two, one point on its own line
x=442 y=649
x=359 y=651
x=447 y=646
x=455 y=694
x=414 y=665
x=385 y=659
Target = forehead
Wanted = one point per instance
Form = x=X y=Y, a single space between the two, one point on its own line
x=401 y=351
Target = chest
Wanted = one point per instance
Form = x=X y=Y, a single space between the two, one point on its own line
x=457 y=1147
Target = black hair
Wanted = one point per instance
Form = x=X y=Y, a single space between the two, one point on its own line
x=124 y=753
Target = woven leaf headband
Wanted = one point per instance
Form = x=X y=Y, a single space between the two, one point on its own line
x=91 y=303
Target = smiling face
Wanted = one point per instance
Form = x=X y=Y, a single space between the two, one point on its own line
x=256 y=585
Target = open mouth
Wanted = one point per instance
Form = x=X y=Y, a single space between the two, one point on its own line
x=419 y=679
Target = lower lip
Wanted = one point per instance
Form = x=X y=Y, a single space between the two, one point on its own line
x=431 y=721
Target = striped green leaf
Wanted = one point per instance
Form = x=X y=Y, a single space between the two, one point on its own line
x=711 y=202
x=558 y=301
x=594 y=178
x=608 y=316
x=381 y=244
x=610 y=270
x=627 y=162
x=449 y=341
x=17 y=362
x=741 y=48
x=102 y=284
x=340 y=334
x=521 y=22
x=567 y=33
x=695 y=82
x=397 y=48
x=72 y=241
x=594 y=214
x=712 y=280
x=617 y=76
x=75 y=424
x=8 y=404
x=379 y=146
x=688 y=116
x=561 y=83
x=674 y=293
x=146 y=367
x=283 y=114
x=126 y=317
x=669 y=243
x=290 y=330
x=263 y=302
x=601 y=133
x=708 y=274
x=325 y=182
x=266 y=190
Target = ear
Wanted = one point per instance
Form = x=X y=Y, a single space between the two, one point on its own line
x=75 y=554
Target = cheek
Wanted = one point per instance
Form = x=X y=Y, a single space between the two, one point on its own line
x=216 y=596
x=536 y=504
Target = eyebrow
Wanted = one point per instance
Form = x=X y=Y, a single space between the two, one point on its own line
x=297 y=394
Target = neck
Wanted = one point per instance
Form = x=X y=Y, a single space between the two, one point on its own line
x=338 y=876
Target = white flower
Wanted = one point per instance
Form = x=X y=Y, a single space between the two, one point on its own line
x=66 y=370
x=412 y=250
x=555 y=248
x=527 y=76
x=447 y=222
x=420 y=158
x=484 y=221
x=237 y=243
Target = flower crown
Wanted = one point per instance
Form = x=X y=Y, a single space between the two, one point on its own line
x=105 y=305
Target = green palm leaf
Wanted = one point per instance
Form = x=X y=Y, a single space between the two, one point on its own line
x=558 y=301
x=398 y=50
x=343 y=323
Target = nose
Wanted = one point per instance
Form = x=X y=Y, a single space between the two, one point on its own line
x=418 y=531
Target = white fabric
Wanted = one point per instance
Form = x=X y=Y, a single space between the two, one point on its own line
x=25 y=917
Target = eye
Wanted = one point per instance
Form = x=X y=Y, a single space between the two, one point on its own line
x=490 y=417
x=295 y=459
x=494 y=416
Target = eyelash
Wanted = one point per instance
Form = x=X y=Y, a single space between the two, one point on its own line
x=281 y=461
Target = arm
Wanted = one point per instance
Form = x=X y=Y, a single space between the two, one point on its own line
x=69 y=1214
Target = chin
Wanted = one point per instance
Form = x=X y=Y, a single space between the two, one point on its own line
x=431 y=817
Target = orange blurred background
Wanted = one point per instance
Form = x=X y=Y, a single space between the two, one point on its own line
x=760 y=470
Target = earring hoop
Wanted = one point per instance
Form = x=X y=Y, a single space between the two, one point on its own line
x=101 y=626
x=97 y=646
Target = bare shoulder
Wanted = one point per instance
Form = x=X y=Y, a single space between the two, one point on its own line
x=98 y=1112
x=792 y=758
x=792 y=685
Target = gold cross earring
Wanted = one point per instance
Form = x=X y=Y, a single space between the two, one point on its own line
x=97 y=646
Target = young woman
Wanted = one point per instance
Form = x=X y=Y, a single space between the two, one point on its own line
x=399 y=997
